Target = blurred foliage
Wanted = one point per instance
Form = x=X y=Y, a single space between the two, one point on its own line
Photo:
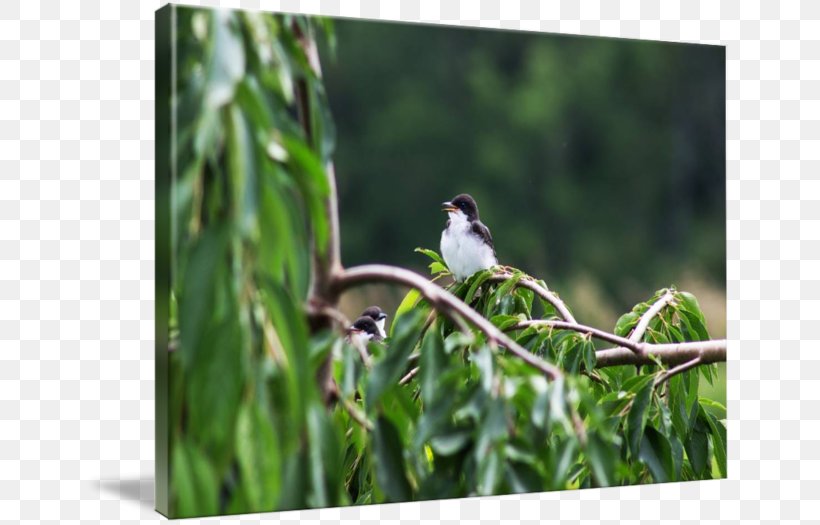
x=590 y=158
x=478 y=421
x=249 y=431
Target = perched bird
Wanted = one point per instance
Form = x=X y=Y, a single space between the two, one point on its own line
x=466 y=244
x=364 y=329
x=376 y=313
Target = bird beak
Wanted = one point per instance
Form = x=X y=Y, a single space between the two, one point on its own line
x=382 y=316
x=448 y=206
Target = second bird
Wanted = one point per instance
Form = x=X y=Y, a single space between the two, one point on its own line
x=466 y=244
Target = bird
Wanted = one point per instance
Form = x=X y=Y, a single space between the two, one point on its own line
x=466 y=243
x=364 y=329
x=376 y=313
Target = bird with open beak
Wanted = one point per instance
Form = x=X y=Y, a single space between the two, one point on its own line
x=466 y=243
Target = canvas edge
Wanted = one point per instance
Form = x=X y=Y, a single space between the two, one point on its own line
x=163 y=63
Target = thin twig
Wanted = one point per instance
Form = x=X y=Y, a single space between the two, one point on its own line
x=677 y=370
x=670 y=354
x=410 y=375
x=443 y=301
x=331 y=313
x=646 y=318
x=357 y=415
x=366 y=359
x=530 y=284
x=583 y=329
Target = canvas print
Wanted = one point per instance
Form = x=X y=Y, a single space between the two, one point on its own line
x=401 y=262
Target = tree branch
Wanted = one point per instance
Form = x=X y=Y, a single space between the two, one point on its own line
x=325 y=260
x=637 y=348
x=654 y=310
x=677 y=370
x=357 y=415
x=442 y=300
x=671 y=354
x=530 y=284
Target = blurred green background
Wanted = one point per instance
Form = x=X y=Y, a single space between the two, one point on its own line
x=598 y=164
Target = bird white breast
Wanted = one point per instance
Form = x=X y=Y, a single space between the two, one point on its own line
x=464 y=252
x=380 y=324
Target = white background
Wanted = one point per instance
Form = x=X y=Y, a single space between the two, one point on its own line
x=77 y=259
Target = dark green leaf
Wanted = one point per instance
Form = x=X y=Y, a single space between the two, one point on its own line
x=258 y=455
x=389 y=370
x=656 y=453
x=718 y=433
x=451 y=442
x=588 y=351
x=193 y=482
x=636 y=418
x=432 y=364
x=601 y=459
x=389 y=461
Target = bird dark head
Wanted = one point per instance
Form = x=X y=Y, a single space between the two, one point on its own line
x=366 y=325
x=462 y=203
x=375 y=313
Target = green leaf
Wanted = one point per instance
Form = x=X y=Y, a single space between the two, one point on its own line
x=214 y=386
x=568 y=454
x=437 y=267
x=697 y=450
x=258 y=455
x=198 y=295
x=689 y=303
x=636 y=418
x=677 y=455
x=432 y=364
x=431 y=254
x=325 y=457
x=309 y=174
x=588 y=352
x=389 y=461
x=713 y=407
x=718 y=433
x=656 y=453
x=389 y=369
x=694 y=325
x=407 y=304
x=228 y=59
x=572 y=353
x=242 y=170
x=601 y=459
x=451 y=442
x=483 y=360
x=193 y=482
x=503 y=321
x=523 y=478
x=626 y=323
x=475 y=281
x=503 y=291
x=351 y=369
